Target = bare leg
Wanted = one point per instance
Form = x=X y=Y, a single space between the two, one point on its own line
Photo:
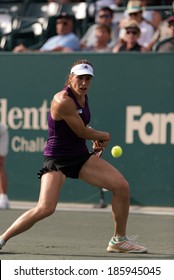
x=51 y=184
x=100 y=173
x=3 y=176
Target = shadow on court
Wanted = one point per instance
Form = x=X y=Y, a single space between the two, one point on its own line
x=72 y=235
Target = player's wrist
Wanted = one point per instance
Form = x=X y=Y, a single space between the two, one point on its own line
x=104 y=140
x=107 y=138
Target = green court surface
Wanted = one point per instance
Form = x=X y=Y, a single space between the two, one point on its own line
x=83 y=233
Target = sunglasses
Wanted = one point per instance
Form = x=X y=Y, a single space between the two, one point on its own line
x=171 y=25
x=134 y=14
x=105 y=16
x=132 y=32
x=62 y=22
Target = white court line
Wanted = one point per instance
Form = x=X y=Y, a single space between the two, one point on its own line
x=90 y=208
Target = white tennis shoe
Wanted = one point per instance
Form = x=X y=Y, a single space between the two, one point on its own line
x=4 y=202
x=128 y=245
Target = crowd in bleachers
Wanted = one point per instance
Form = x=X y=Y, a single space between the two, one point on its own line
x=98 y=26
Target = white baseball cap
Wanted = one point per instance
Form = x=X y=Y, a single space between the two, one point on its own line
x=82 y=69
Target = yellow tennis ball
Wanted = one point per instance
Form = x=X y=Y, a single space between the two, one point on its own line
x=116 y=151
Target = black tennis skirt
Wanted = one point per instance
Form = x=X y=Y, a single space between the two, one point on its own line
x=70 y=166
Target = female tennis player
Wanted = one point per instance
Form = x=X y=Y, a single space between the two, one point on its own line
x=66 y=155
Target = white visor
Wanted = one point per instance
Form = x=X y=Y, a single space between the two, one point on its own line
x=82 y=69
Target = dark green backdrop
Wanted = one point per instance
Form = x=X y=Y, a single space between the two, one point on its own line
x=141 y=84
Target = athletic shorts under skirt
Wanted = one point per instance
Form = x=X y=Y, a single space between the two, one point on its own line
x=70 y=166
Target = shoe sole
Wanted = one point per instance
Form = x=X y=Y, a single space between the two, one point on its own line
x=114 y=250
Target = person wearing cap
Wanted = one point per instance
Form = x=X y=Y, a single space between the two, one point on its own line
x=66 y=155
x=65 y=40
x=134 y=11
x=130 y=41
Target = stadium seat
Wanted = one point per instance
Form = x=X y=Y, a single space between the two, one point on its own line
x=38 y=12
x=12 y=7
x=32 y=23
x=9 y=10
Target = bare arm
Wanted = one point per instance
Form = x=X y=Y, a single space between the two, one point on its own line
x=64 y=108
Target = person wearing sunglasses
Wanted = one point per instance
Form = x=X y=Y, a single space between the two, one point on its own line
x=65 y=39
x=135 y=12
x=130 y=41
x=104 y=17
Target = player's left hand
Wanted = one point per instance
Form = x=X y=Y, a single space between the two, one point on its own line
x=98 y=148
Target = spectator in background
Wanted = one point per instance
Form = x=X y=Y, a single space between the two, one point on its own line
x=105 y=16
x=130 y=42
x=4 y=202
x=96 y=6
x=163 y=32
x=152 y=16
x=113 y=4
x=103 y=35
x=167 y=45
x=134 y=10
x=65 y=40
x=157 y=18
x=147 y=14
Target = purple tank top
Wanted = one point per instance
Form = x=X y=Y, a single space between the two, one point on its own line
x=62 y=141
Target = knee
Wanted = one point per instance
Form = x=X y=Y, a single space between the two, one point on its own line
x=44 y=211
x=125 y=185
x=123 y=188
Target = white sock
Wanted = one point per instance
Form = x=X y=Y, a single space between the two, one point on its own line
x=2 y=242
x=119 y=238
x=3 y=196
